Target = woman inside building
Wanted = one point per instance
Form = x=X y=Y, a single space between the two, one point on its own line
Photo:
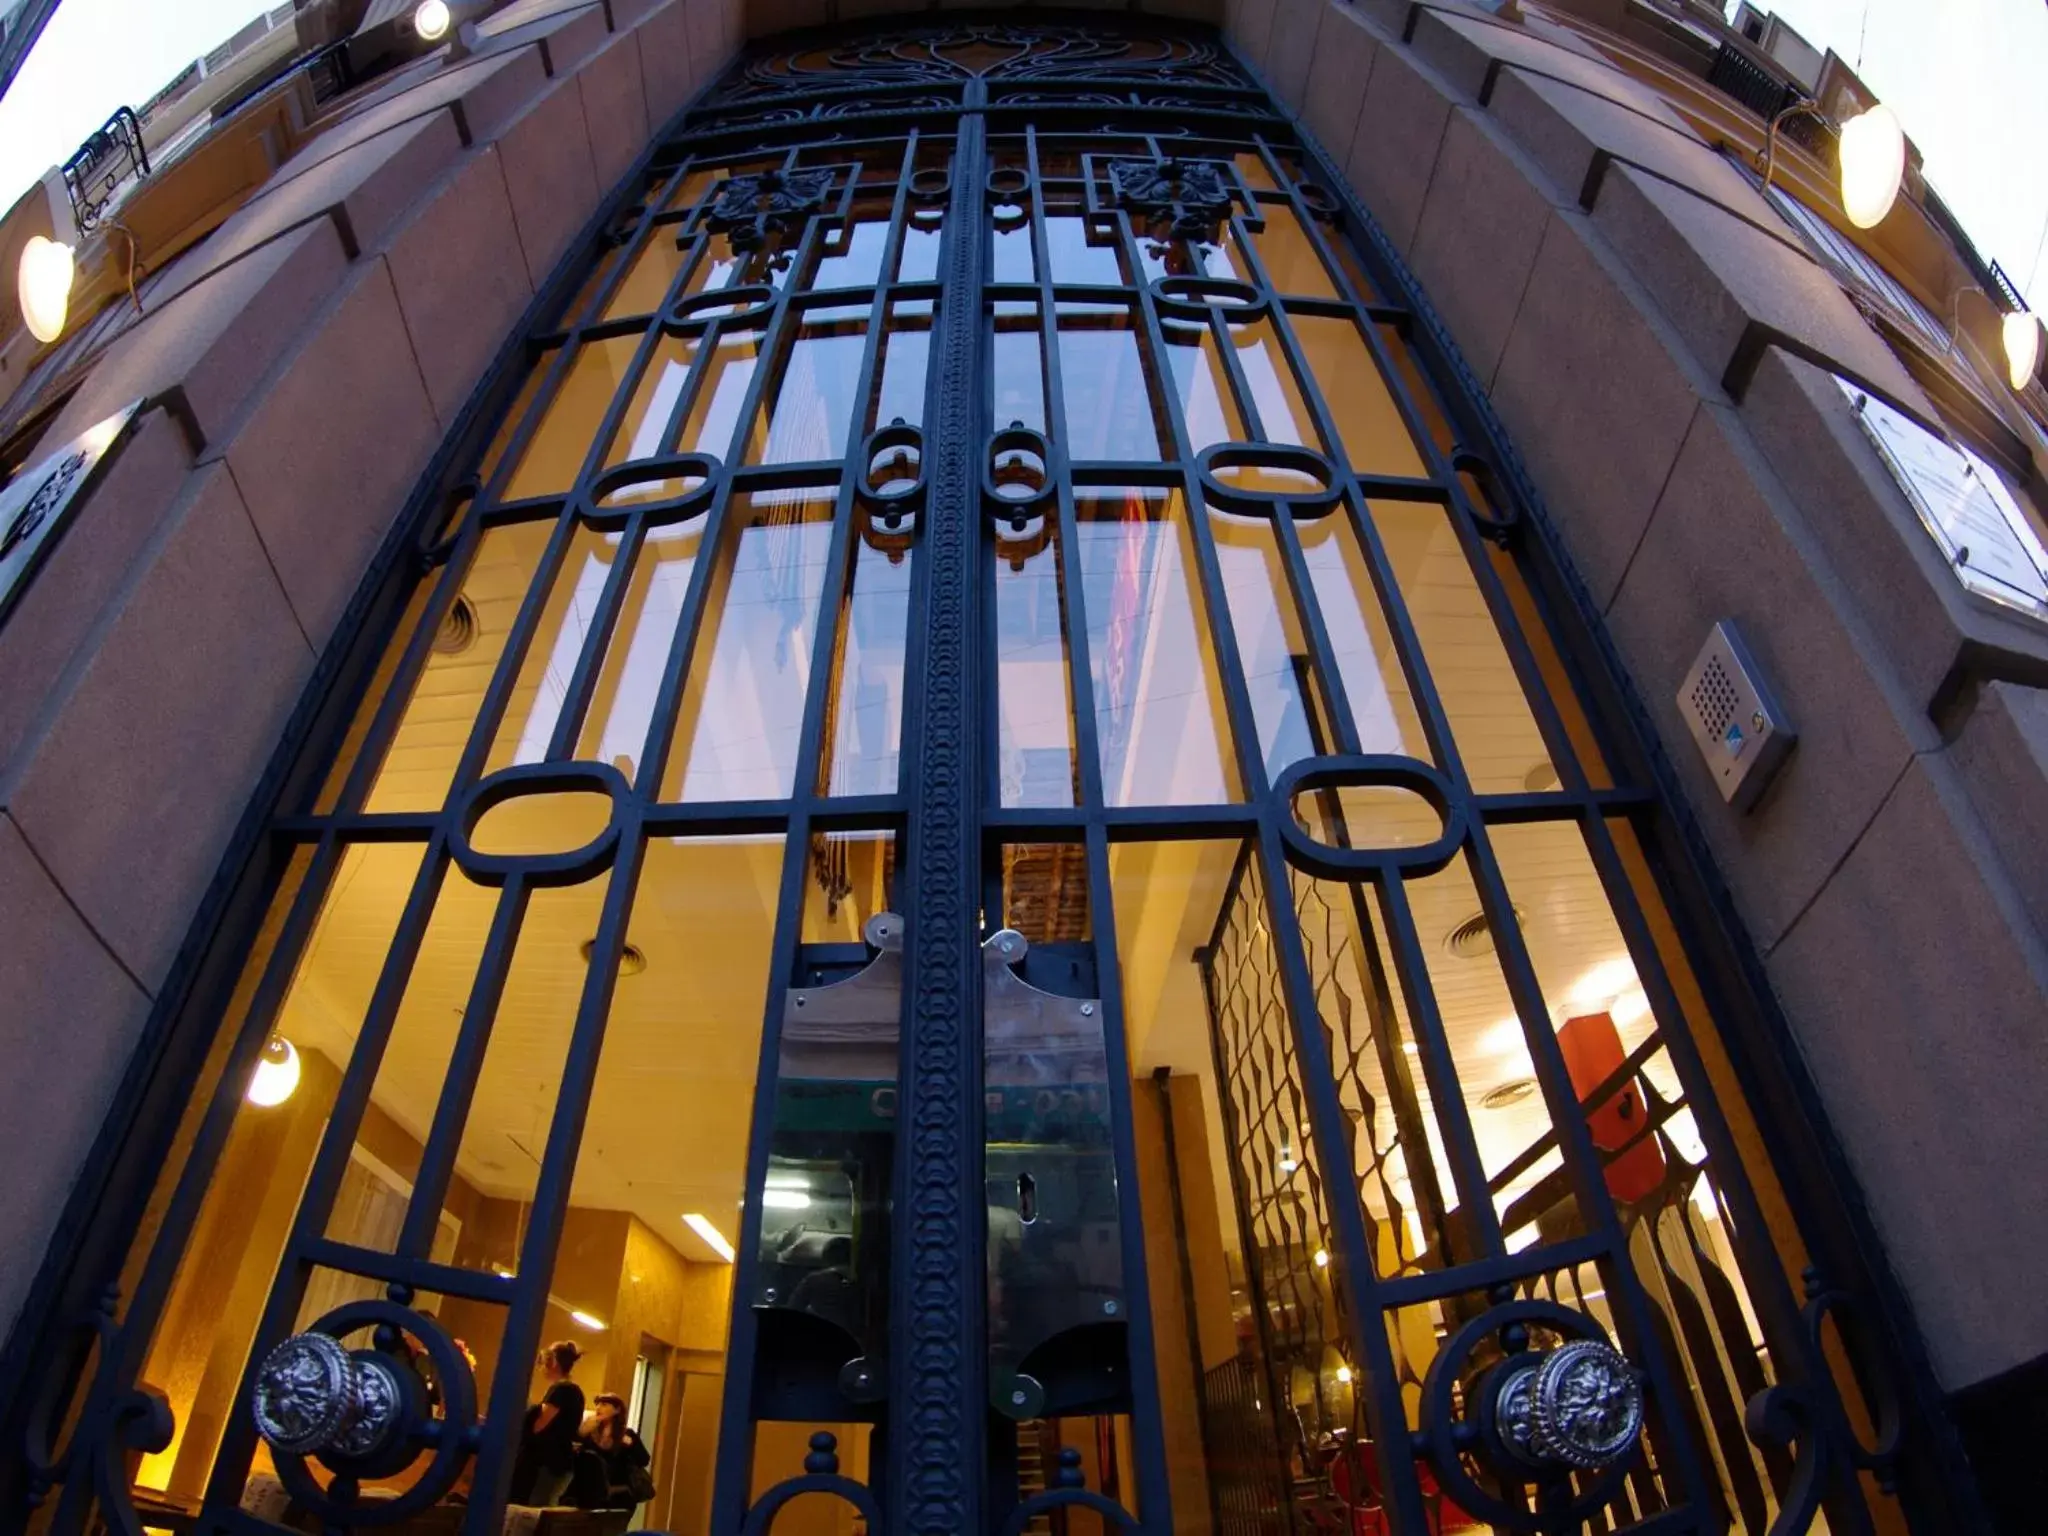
x=547 y=1441
x=611 y=1460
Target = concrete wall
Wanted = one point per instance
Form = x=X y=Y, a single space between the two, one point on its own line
x=1652 y=335
x=1659 y=344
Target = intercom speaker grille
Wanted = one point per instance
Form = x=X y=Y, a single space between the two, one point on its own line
x=1713 y=697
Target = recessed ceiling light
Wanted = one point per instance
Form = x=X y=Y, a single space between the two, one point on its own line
x=587 y=1321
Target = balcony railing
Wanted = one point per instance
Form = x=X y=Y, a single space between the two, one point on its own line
x=111 y=156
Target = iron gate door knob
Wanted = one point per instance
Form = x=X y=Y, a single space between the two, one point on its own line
x=1579 y=1406
x=315 y=1395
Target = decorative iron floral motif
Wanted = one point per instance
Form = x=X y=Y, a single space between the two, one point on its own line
x=1187 y=198
x=1580 y=1405
x=312 y=1394
x=953 y=52
x=748 y=210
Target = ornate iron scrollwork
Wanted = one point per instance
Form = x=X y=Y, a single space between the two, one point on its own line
x=1187 y=199
x=751 y=210
x=1811 y=1415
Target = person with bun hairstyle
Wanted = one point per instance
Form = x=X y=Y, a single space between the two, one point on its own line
x=547 y=1439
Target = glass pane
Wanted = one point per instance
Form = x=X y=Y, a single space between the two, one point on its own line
x=1010 y=258
x=721 y=396
x=648 y=280
x=865 y=729
x=209 y=1320
x=922 y=232
x=534 y=708
x=513 y=1099
x=1035 y=748
x=743 y=710
x=1271 y=648
x=643 y=432
x=1108 y=396
x=1289 y=254
x=1246 y=1297
x=1482 y=698
x=420 y=763
x=1375 y=686
x=852 y=254
x=810 y=409
x=1275 y=394
x=1159 y=721
x=1208 y=404
x=1077 y=259
x=555 y=454
x=906 y=357
x=615 y=729
x=1017 y=367
x=645 y=1253
x=852 y=878
x=1374 y=437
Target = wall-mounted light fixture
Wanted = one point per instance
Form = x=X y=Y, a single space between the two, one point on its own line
x=2022 y=337
x=1870 y=155
x=276 y=1076
x=43 y=285
x=431 y=20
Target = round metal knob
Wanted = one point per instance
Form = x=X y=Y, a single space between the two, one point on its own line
x=1577 y=1406
x=314 y=1396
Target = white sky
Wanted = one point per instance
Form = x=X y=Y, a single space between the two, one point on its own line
x=1964 y=76
x=94 y=56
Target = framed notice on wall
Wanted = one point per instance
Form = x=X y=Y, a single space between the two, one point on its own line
x=37 y=503
x=1965 y=504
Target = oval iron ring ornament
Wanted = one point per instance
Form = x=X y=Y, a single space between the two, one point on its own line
x=314 y=1395
x=1579 y=1406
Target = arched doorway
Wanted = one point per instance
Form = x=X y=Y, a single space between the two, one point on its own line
x=987 y=871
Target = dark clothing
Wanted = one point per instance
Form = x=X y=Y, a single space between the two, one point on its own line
x=603 y=1472
x=546 y=1456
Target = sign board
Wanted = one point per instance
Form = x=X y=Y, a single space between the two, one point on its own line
x=1964 y=503
x=37 y=503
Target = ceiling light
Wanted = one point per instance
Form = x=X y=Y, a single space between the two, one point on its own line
x=1344 y=1374
x=1629 y=1007
x=2022 y=347
x=431 y=20
x=1322 y=1258
x=43 y=284
x=276 y=1074
x=1600 y=986
x=584 y=1319
x=773 y=1199
x=1873 y=162
x=713 y=1238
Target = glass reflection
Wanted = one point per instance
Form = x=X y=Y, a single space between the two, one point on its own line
x=1159 y=730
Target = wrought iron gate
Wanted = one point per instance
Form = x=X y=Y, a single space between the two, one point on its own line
x=987 y=560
